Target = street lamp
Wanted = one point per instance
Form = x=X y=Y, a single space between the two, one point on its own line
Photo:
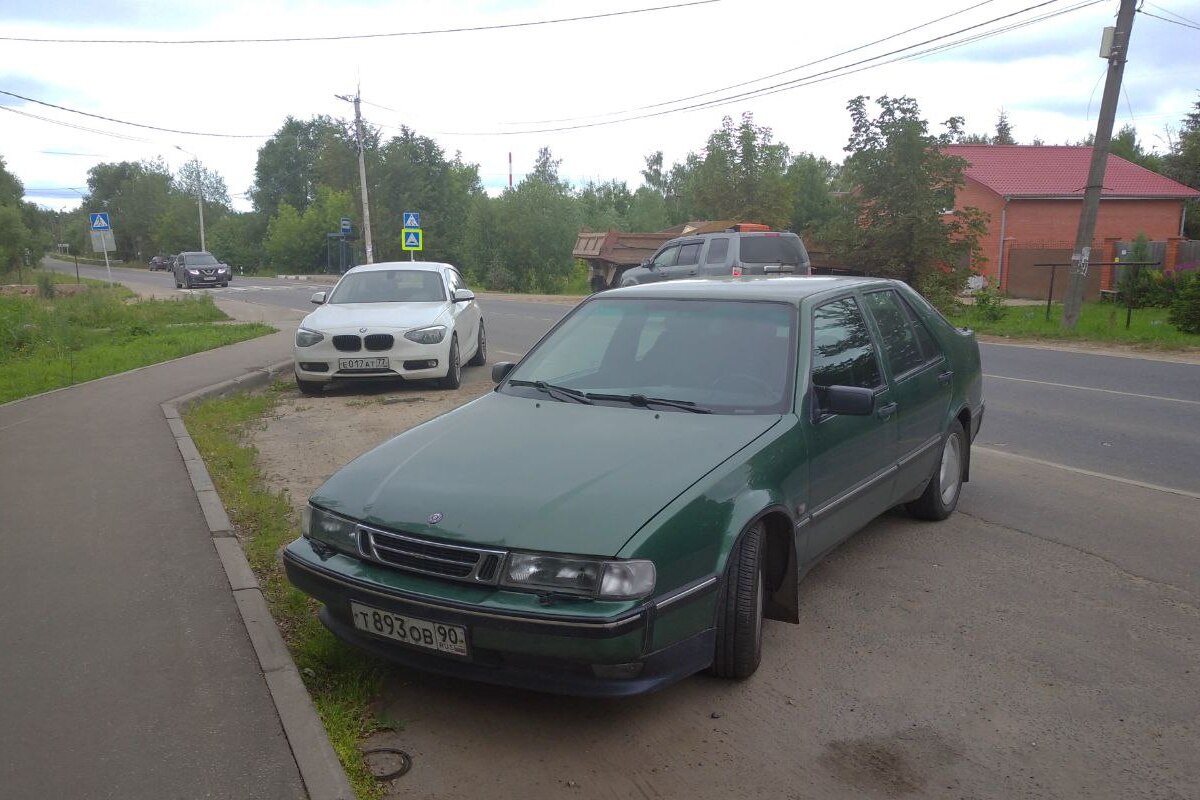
x=199 y=193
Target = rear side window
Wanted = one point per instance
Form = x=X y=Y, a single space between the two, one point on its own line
x=770 y=250
x=899 y=340
x=689 y=253
x=843 y=354
x=717 y=250
x=929 y=345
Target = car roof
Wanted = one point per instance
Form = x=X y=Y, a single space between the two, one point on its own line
x=791 y=290
x=422 y=266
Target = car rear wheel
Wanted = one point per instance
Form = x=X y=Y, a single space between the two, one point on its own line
x=309 y=387
x=940 y=497
x=480 y=357
x=453 y=377
x=740 y=609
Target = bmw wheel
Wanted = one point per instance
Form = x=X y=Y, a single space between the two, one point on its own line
x=453 y=377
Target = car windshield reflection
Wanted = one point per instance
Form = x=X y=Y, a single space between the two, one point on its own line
x=727 y=357
x=390 y=286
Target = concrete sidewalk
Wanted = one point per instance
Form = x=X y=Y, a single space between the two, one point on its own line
x=125 y=670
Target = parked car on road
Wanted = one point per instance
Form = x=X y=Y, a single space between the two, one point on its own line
x=161 y=262
x=200 y=269
x=743 y=250
x=404 y=319
x=647 y=484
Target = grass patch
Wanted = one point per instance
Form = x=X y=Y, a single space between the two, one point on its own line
x=342 y=681
x=47 y=343
x=1098 y=322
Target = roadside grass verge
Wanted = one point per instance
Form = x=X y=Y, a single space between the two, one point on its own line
x=48 y=343
x=342 y=681
x=1098 y=322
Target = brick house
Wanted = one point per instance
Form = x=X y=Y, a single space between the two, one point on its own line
x=1034 y=195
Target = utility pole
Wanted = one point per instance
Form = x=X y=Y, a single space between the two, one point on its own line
x=362 y=171
x=1115 y=51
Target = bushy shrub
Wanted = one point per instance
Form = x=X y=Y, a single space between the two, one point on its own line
x=989 y=305
x=941 y=289
x=1184 y=312
x=45 y=284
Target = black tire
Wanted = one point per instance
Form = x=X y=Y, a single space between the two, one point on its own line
x=740 y=609
x=480 y=357
x=310 y=388
x=178 y=285
x=226 y=283
x=941 y=494
x=453 y=377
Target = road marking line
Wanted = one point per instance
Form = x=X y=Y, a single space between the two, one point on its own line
x=1094 y=389
x=508 y=353
x=1128 y=481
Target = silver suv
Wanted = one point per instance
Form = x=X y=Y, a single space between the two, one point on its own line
x=744 y=249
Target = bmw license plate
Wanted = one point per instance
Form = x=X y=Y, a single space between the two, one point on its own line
x=379 y=362
x=410 y=630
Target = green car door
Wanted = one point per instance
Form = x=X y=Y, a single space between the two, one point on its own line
x=921 y=385
x=852 y=458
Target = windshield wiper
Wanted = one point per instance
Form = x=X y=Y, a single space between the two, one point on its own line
x=557 y=392
x=642 y=401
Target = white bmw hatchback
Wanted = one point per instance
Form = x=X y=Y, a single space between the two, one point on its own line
x=401 y=319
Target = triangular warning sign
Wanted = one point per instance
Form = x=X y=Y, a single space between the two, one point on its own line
x=410 y=240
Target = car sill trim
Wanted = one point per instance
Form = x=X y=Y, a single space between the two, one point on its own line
x=671 y=600
x=852 y=492
x=920 y=450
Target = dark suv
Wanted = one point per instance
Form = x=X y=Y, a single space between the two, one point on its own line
x=161 y=262
x=200 y=269
x=744 y=249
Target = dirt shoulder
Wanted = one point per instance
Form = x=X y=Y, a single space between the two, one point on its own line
x=1120 y=351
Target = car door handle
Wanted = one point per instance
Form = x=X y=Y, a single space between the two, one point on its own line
x=944 y=377
x=883 y=412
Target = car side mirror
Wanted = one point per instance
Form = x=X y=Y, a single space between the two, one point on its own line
x=500 y=370
x=463 y=295
x=853 y=401
x=318 y=298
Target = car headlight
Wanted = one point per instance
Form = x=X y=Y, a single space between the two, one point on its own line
x=608 y=580
x=307 y=338
x=337 y=532
x=193 y=272
x=431 y=335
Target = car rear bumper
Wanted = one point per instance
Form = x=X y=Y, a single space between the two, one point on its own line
x=596 y=657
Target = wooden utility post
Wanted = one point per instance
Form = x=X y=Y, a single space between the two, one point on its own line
x=1117 y=50
x=362 y=172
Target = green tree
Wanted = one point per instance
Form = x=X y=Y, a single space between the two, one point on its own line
x=134 y=193
x=810 y=181
x=743 y=175
x=238 y=240
x=15 y=236
x=1004 y=133
x=1182 y=163
x=897 y=220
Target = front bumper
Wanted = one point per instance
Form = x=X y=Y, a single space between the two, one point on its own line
x=321 y=362
x=647 y=648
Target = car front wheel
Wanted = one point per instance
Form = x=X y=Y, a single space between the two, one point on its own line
x=940 y=497
x=453 y=377
x=309 y=387
x=740 y=609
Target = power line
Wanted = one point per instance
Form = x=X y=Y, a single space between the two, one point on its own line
x=134 y=124
x=345 y=37
x=761 y=77
x=1172 y=13
x=1172 y=21
x=900 y=54
x=76 y=127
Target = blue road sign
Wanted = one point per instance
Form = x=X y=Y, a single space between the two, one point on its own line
x=345 y=225
x=412 y=219
x=99 y=221
x=412 y=239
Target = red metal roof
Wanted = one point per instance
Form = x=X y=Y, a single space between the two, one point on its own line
x=1059 y=171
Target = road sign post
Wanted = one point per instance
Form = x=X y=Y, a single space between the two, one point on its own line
x=102 y=238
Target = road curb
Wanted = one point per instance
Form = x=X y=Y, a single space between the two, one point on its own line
x=322 y=773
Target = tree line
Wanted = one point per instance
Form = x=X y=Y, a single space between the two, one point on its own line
x=880 y=209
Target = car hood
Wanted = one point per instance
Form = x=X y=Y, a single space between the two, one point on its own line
x=512 y=472
x=373 y=315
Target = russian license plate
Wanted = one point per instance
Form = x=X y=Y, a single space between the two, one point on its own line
x=410 y=630
x=379 y=362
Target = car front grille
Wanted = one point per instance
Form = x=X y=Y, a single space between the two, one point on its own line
x=379 y=341
x=407 y=553
x=347 y=343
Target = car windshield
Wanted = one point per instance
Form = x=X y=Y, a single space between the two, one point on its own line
x=199 y=260
x=727 y=357
x=390 y=286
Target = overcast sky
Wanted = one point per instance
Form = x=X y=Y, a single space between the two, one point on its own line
x=468 y=89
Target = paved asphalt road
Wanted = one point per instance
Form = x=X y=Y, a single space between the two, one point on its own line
x=1134 y=418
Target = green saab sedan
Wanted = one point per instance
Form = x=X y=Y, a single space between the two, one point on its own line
x=647 y=484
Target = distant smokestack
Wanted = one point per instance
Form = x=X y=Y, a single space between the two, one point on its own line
x=510 y=169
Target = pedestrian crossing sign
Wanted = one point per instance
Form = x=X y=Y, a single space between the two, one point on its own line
x=99 y=221
x=412 y=219
x=411 y=239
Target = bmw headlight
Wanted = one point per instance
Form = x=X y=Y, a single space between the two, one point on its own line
x=606 y=580
x=431 y=335
x=307 y=338
x=337 y=532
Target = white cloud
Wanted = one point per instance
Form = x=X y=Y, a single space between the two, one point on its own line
x=484 y=81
